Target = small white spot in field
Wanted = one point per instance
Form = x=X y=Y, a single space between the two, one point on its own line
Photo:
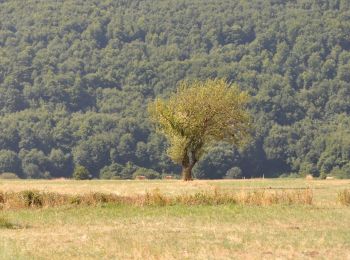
x=83 y=238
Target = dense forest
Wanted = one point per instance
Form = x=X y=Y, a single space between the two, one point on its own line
x=76 y=77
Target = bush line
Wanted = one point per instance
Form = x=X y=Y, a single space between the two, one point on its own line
x=40 y=199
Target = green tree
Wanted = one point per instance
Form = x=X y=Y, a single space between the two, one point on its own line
x=234 y=173
x=9 y=162
x=113 y=171
x=216 y=162
x=148 y=173
x=81 y=173
x=199 y=114
x=35 y=164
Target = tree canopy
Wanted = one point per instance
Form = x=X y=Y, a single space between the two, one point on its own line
x=198 y=115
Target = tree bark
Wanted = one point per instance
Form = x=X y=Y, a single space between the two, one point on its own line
x=187 y=173
x=187 y=166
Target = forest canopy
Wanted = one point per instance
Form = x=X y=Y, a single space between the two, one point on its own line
x=76 y=77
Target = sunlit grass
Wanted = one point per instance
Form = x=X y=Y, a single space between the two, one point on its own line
x=181 y=231
x=344 y=197
x=5 y=223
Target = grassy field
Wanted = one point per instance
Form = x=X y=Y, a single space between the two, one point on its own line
x=108 y=231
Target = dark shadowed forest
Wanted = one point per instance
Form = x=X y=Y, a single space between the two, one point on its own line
x=76 y=77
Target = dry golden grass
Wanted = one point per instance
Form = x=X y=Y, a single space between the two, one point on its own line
x=40 y=199
x=344 y=197
x=255 y=228
x=323 y=189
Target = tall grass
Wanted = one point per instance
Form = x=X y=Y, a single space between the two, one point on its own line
x=267 y=197
x=38 y=199
x=5 y=223
x=344 y=197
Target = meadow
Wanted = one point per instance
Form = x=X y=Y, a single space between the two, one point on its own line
x=318 y=230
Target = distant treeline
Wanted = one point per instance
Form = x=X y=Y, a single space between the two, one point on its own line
x=76 y=77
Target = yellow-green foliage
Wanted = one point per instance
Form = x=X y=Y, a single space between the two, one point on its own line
x=200 y=113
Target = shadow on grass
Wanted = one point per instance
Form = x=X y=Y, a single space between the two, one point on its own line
x=5 y=223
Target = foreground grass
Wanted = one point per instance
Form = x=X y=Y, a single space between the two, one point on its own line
x=110 y=231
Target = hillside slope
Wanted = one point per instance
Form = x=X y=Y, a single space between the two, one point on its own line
x=76 y=77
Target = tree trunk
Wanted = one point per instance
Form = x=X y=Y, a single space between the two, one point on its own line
x=187 y=173
x=187 y=166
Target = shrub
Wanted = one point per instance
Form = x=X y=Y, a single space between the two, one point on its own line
x=81 y=173
x=234 y=173
x=128 y=170
x=341 y=173
x=294 y=175
x=113 y=171
x=148 y=173
x=8 y=176
x=308 y=168
x=31 y=198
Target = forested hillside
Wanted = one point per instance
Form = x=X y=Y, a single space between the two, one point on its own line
x=76 y=77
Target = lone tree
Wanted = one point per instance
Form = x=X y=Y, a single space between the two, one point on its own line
x=198 y=115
